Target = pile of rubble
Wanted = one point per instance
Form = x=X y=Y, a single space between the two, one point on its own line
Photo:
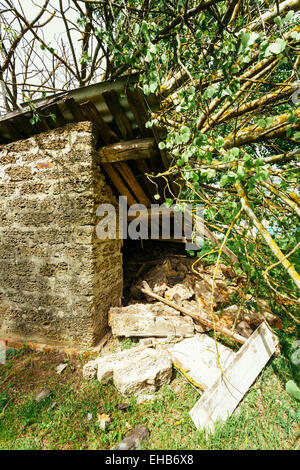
x=175 y=280
x=169 y=307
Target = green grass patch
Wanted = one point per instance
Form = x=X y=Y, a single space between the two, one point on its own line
x=267 y=418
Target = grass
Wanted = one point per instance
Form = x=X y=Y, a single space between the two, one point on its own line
x=267 y=418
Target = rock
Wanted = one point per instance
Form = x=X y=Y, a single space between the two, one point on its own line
x=203 y=293
x=89 y=370
x=196 y=308
x=123 y=406
x=88 y=418
x=134 y=440
x=157 y=278
x=244 y=329
x=146 y=341
x=156 y=308
x=104 y=421
x=223 y=272
x=177 y=385
x=262 y=311
x=249 y=315
x=61 y=367
x=53 y=405
x=136 y=370
x=42 y=394
x=180 y=292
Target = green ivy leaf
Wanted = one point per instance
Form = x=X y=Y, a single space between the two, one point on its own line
x=297 y=135
x=210 y=91
x=292 y=389
x=234 y=152
x=136 y=29
x=169 y=202
x=289 y=15
x=223 y=180
x=262 y=123
x=276 y=47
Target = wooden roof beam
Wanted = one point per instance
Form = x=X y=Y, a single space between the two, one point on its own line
x=128 y=150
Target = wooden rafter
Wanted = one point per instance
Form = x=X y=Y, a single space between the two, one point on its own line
x=118 y=182
x=131 y=181
x=92 y=114
x=128 y=150
x=122 y=122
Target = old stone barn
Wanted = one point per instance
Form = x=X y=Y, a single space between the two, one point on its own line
x=57 y=279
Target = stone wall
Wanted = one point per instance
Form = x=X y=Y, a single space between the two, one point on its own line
x=57 y=280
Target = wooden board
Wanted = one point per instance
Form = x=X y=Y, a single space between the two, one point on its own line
x=92 y=114
x=118 y=183
x=128 y=150
x=74 y=109
x=142 y=170
x=131 y=181
x=137 y=104
x=113 y=103
x=224 y=395
x=198 y=355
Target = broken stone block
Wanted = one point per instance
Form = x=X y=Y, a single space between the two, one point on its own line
x=136 y=370
x=223 y=272
x=61 y=367
x=196 y=308
x=199 y=357
x=89 y=370
x=157 y=278
x=203 y=293
x=149 y=320
x=146 y=341
x=180 y=292
x=244 y=329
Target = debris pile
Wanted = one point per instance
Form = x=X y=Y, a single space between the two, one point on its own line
x=169 y=307
x=175 y=280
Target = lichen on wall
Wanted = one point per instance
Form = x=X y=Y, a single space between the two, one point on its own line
x=57 y=279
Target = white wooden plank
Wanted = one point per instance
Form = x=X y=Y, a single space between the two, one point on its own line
x=223 y=397
x=198 y=355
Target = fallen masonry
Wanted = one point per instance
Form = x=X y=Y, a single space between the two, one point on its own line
x=199 y=356
x=170 y=308
x=149 y=320
x=133 y=371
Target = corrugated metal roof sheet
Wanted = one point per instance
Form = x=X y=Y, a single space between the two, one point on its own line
x=19 y=119
x=118 y=109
